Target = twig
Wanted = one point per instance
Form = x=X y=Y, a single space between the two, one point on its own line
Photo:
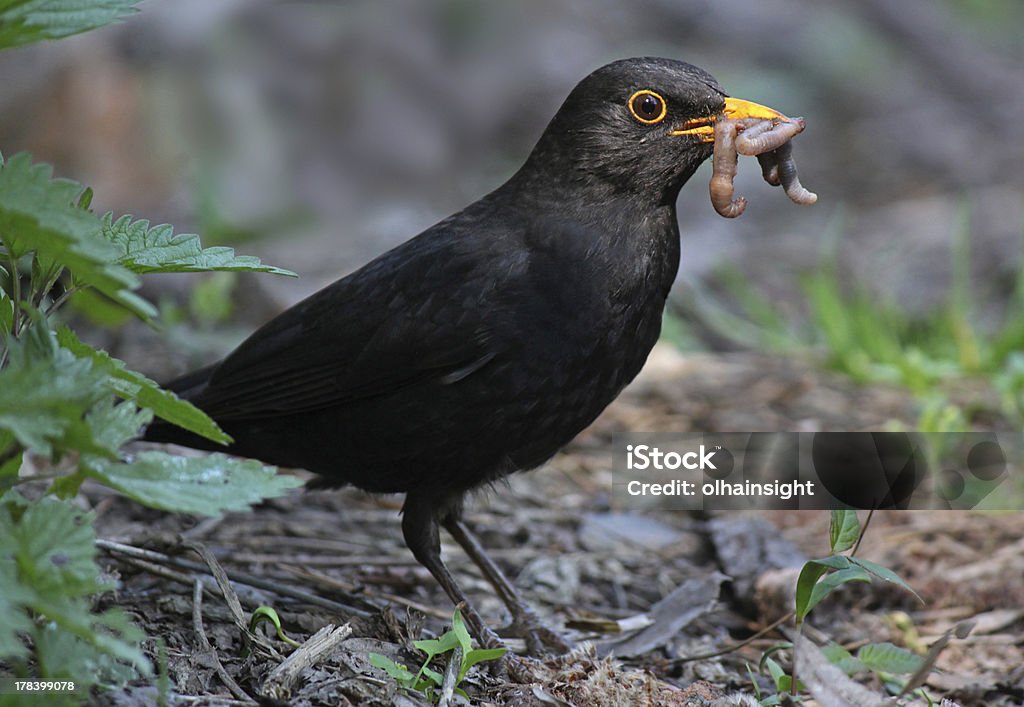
x=329 y=582
x=231 y=598
x=211 y=700
x=736 y=646
x=15 y=296
x=321 y=561
x=161 y=571
x=64 y=297
x=863 y=530
x=451 y=676
x=282 y=679
x=204 y=643
x=116 y=548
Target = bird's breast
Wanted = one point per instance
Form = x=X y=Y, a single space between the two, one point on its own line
x=587 y=314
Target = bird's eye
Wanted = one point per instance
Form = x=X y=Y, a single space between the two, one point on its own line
x=647 y=107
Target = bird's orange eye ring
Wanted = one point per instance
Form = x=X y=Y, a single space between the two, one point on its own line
x=648 y=107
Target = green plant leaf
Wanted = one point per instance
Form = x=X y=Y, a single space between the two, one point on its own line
x=48 y=568
x=85 y=199
x=9 y=469
x=99 y=310
x=26 y=21
x=843 y=530
x=267 y=613
x=428 y=679
x=397 y=671
x=809 y=576
x=832 y=581
x=889 y=658
x=6 y=313
x=479 y=655
x=842 y=659
x=14 y=622
x=154 y=250
x=38 y=214
x=754 y=684
x=434 y=647
x=461 y=632
x=143 y=391
x=52 y=543
x=210 y=299
x=206 y=485
x=45 y=392
x=778 y=675
x=112 y=426
x=885 y=574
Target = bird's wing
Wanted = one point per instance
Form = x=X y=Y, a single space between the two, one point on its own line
x=407 y=317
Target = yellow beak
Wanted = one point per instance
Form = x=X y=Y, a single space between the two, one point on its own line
x=735 y=109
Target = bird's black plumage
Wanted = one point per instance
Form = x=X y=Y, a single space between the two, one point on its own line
x=486 y=343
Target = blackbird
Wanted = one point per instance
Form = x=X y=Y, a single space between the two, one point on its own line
x=486 y=343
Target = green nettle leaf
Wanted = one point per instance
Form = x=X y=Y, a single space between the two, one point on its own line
x=53 y=545
x=13 y=596
x=113 y=426
x=38 y=214
x=206 y=485
x=45 y=392
x=143 y=391
x=99 y=310
x=26 y=21
x=48 y=569
x=157 y=249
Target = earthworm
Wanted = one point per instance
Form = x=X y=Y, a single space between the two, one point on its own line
x=787 y=176
x=769 y=162
x=766 y=135
x=723 y=164
x=749 y=128
x=769 y=141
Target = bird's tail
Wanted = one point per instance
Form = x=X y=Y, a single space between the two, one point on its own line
x=187 y=387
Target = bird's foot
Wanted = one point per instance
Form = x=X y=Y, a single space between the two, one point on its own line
x=540 y=639
x=488 y=639
x=521 y=669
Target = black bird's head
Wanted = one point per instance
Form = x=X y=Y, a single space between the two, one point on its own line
x=635 y=127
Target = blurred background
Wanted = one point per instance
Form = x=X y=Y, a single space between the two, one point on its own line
x=318 y=134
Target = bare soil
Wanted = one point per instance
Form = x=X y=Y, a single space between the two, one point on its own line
x=582 y=564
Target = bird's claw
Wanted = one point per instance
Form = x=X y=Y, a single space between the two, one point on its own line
x=540 y=640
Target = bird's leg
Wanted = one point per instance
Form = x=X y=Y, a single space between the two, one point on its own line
x=525 y=622
x=420 y=529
